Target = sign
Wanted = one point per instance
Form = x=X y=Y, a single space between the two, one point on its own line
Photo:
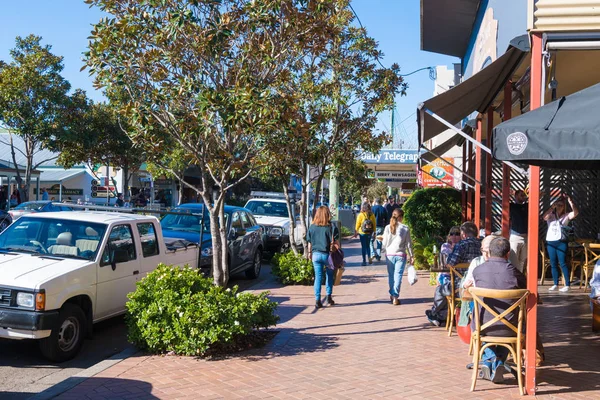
x=163 y=182
x=390 y=156
x=396 y=175
x=55 y=190
x=439 y=169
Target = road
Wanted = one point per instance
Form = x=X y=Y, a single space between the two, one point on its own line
x=24 y=372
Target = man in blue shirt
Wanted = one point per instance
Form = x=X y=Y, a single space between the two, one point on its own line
x=44 y=194
x=381 y=219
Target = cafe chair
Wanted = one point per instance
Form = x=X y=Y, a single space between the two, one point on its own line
x=577 y=254
x=455 y=277
x=592 y=255
x=515 y=343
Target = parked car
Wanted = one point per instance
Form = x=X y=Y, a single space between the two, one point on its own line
x=35 y=207
x=5 y=220
x=245 y=243
x=62 y=272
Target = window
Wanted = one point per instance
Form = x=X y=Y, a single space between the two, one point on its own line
x=236 y=222
x=120 y=240
x=245 y=220
x=252 y=220
x=148 y=239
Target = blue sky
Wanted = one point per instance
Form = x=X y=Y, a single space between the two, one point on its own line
x=66 y=24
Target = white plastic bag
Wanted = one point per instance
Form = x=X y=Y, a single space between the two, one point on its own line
x=412 y=275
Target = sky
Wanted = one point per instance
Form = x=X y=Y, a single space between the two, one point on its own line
x=395 y=24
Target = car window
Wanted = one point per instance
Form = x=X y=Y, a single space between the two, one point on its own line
x=252 y=220
x=65 y=208
x=148 y=239
x=120 y=239
x=245 y=220
x=236 y=221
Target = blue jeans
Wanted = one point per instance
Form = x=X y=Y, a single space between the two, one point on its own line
x=365 y=245
x=557 y=252
x=395 y=267
x=320 y=263
x=494 y=356
x=376 y=244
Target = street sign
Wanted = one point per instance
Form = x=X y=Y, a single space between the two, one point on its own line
x=395 y=175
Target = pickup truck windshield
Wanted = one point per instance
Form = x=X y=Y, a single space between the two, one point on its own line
x=268 y=208
x=56 y=237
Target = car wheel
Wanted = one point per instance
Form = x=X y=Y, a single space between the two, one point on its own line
x=67 y=337
x=254 y=271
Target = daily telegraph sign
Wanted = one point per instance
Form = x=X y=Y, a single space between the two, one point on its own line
x=390 y=156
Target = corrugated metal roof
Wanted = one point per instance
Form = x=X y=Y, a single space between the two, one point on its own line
x=48 y=157
x=60 y=175
x=566 y=15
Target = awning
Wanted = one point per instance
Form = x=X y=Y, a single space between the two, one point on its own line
x=59 y=176
x=456 y=140
x=562 y=134
x=475 y=94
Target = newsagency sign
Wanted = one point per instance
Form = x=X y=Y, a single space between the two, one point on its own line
x=397 y=176
x=390 y=156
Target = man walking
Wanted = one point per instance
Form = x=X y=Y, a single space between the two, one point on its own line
x=518 y=228
x=381 y=220
x=391 y=206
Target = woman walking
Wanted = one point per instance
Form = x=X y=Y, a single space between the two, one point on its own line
x=557 y=241
x=321 y=235
x=398 y=246
x=365 y=227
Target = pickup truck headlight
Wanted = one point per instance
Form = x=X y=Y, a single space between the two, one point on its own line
x=25 y=300
x=275 y=231
x=207 y=252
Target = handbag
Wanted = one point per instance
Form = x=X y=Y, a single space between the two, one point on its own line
x=336 y=254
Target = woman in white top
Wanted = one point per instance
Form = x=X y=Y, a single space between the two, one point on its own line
x=556 y=241
x=398 y=246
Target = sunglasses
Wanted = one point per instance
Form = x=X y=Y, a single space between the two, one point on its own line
x=454 y=234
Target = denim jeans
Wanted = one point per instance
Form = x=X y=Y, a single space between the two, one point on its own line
x=557 y=252
x=376 y=244
x=365 y=245
x=495 y=356
x=395 y=267
x=320 y=263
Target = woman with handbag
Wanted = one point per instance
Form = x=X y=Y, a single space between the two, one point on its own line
x=321 y=237
x=398 y=246
x=557 y=239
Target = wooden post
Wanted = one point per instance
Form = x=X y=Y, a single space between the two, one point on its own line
x=506 y=168
x=469 y=191
x=464 y=187
x=488 y=174
x=478 y=137
x=533 y=225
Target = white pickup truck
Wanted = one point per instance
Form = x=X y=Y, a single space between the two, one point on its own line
x=60 y=272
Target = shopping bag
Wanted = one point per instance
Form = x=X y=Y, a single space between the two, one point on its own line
x=338 y=275
x=412 y=275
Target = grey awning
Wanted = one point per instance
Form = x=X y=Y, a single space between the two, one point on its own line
x=59 y=175
x=446 y=25
x=456 y=140
x=475 y=94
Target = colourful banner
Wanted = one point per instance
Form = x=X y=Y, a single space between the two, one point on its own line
x=439 y=169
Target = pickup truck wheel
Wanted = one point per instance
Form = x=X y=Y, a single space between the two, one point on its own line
x=67 y=337
x=254 y=271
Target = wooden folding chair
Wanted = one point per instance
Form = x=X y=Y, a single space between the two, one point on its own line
x=592 y=255
x=545 y=263
x=515 y=343
x=455 y=277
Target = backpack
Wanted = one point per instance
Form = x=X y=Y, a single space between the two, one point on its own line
x=367 y=225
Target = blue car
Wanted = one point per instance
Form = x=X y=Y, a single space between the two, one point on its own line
x=245 y=243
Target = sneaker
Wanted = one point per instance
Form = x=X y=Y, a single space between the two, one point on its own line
x=364 y=264
x=370 y=260
x=396 y=301
x=318 y=304
x=329 y=300
x=553 y=288
x=485 y=370
x=431 y=319
x=498 y=373
x=565 y=289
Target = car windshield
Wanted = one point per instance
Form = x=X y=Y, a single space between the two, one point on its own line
x=31 y=206
x=55 y=237
x=268 y=208
x=186 y=220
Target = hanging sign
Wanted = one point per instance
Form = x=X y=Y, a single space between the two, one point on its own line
x=439 y=169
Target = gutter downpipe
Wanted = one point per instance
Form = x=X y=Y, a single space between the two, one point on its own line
x=470 y=192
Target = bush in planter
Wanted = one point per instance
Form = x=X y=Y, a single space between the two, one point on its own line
x=292 y=269
x=345 y=232
x=179 y=310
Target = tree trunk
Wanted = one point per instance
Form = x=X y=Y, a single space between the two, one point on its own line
x=126 y=179
x=303 y=217
x=292 y=217
x=180 y=193
x=218 y=233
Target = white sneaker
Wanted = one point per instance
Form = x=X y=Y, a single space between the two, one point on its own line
x=565 y=289
x=552 y=288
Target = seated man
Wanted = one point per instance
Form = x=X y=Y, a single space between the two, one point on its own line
x=485 y=248
x=497 y=273
x=463 y=252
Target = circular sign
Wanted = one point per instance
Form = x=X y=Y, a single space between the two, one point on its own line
x=438 y=172
x=516 y=143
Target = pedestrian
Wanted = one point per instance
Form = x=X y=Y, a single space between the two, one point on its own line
x=119 y=202
x=557 y=240
x=398 y=247
x=321 y=234
x=44 y=194
x=14 y=198
x=519 y=213
x=381 y=221
x=365 y=228
x=391 y=206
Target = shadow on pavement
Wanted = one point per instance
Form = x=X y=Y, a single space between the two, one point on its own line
x=292 y=342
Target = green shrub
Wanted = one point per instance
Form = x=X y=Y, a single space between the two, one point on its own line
x=431 y=212
x=179 y=310
x=293 y=269
x=345 y=232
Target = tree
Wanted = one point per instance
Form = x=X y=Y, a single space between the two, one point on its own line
x=33 y=96
x=98 y=136
x=377 y=190
x=206 y=73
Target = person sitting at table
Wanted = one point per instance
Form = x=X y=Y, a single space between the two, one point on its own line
x=451 y=240
x=557 y=219
x=463 y=252
x=485 y=248
x=499 y=274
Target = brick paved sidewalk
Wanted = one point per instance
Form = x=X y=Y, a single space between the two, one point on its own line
x=363 y=347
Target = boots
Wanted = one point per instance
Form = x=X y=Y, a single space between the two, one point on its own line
x=330 y=300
